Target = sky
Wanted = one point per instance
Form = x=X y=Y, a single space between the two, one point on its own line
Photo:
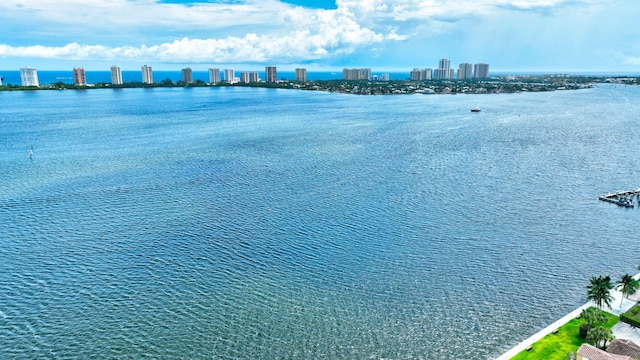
x=321 y=35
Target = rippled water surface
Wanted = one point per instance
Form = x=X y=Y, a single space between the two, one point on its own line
x=240 y=223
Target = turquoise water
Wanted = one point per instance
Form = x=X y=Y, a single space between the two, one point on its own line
x=240 y=223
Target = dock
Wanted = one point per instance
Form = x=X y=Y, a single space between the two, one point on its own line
x=627 y=199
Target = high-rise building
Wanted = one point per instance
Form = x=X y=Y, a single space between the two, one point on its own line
x=440 y=74
x=271 y=75
x=229 y=76
x=301 y=75
x=415 y=75
x=427 y=74
x=465 y=71
x=254 y=77
x=356 y=74
x=481 y=71
x=244 y=77
x=214 y=76
x=29 y=76
x=116 y=75
x=365 y=74
x=79 y=76
x=187 y=75
x=147 y=74
x=383 y=77
x=445 y=65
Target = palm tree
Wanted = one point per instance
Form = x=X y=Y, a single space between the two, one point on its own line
x=600 y=291
x=592 y=317
x=629 y=286
x=600 y=334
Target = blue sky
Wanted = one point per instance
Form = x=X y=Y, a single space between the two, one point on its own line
x=386 y=35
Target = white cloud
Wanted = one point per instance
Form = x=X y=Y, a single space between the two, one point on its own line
x=285 y=33
x=249 y=31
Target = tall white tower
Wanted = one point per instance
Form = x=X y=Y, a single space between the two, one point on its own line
x=214 y=76
x=147 y=75
x=229 y=76
x=116 y=75
x=271 y=75
x=29 y=76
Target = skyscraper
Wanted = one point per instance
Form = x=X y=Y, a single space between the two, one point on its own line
x=415 y=74
x=271 y=75
x=465 y=71
x=427 y=74
x=481 y=71
x=116 y=75
x=356 y=74
x=244 y=77
x=214 y=76
x=229 y=76
x=29 y=76
x=147 y=75
x=187 y=75
x=301 y=75
x=79 y=76
x=445 y=65
x=254 y=77
x=440 y=74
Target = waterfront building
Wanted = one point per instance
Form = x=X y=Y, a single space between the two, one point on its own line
x=244 y=77
x=445 y=66
x=254 y=77
x=147 y=74
x=214 y=75
x=229 y=76
x=365 y=74
x=79 y=76
x=383 y=77
x=29 y=76
x=481 y=71
x=465 y=71
x=301 y=75
x=271 y=75
x=116 y=75
x=356 y=74
x=440 y=74
x=1 y=78
x=187 y=75
x=420 y=74
x=415 y=75
x=428 y=74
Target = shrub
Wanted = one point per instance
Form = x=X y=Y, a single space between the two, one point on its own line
x=584 y=329
x=632 y=317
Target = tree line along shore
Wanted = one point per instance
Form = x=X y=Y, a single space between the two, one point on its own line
x=503 y=84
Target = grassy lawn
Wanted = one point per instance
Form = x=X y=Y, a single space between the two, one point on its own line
x=557 y=346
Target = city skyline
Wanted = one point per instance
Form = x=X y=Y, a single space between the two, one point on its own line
x=570 y=35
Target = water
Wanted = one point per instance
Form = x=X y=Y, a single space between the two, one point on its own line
x=241 y=223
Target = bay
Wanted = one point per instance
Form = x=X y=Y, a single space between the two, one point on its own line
x=244 y=223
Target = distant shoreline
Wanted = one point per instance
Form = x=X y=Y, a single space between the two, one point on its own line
x=504 y=84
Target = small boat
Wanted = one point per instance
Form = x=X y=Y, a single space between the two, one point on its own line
x=476 y=109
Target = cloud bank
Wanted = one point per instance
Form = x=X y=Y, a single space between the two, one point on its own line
x=270 y=31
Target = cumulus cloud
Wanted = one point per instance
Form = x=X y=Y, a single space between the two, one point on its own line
x=241 y=31
x=287 y=33
x=335 y=39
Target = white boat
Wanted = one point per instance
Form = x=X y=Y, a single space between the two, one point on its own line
x=476 y=109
